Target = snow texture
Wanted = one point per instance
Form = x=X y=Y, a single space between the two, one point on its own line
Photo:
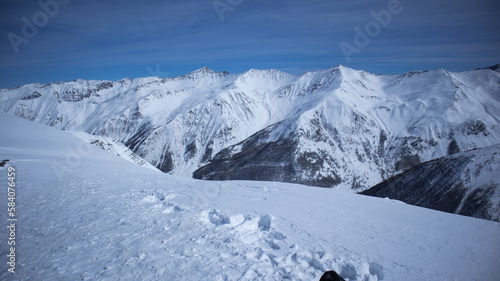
x=86 y=214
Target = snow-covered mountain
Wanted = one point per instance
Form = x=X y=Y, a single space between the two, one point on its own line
x=464 y=183
x=335 y=127
x=104 y=218
x=113 y=146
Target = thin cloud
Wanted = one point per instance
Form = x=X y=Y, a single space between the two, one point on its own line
x=125 y=37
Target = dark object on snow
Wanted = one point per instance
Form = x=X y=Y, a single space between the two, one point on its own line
x=331 y=276
x=4 y=162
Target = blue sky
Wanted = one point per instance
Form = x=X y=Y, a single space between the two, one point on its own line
x=61 y=40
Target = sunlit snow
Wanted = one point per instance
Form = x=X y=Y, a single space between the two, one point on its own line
x=87 y=214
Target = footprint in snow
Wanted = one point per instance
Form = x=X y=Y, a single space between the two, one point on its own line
x=267 y=252
x=217 y=219
x=159 y=198
x=265 y=222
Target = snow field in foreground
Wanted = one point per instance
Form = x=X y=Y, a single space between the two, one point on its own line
x=102 y=218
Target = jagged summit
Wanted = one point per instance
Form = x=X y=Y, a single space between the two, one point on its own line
x=204 y=69
x=205 y=72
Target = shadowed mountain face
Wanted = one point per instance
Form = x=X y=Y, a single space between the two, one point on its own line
x=262 y=158
x=464 y=183
x=337 y=127
x=270 y=157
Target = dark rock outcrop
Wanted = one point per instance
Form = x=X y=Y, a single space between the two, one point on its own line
x=464 y=183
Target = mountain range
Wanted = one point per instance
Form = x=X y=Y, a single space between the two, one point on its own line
x=338 y=127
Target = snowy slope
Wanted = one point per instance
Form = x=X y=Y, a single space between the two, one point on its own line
x=113 y=146
x=340 y=127
x=86 y=214
x=353 y=129
x=464 y=183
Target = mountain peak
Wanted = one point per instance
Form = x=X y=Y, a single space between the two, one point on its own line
x=206 y=72
x=204 y=69
x=268 y=72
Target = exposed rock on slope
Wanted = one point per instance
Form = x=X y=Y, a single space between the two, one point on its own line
x=465 y=183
